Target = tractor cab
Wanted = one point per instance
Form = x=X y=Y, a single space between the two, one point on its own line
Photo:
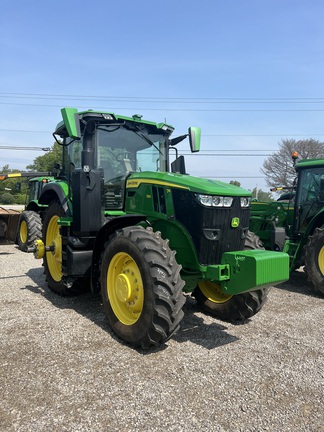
x=117 y=146
x=309 y=200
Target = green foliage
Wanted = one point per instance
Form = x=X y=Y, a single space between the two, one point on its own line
x=19 y=186
x=7 y=198
x=262 y=196
x=16 y=187
x=47 y=161
x=5 y=169
x=235 y=183
x=20 y=199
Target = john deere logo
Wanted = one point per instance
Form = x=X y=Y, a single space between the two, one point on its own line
x=235 y=222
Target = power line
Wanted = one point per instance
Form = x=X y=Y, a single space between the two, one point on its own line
x=169 y=109
x=22 y=130
x=168 y=99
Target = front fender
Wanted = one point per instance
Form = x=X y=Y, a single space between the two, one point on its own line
x=316 y=222
x=102 y=237
x=53 y=191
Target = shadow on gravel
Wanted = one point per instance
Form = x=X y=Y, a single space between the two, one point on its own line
x=298 y=284
x=193 y=328
x=86 y=304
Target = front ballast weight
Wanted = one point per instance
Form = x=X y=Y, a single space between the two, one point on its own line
x=237 y=289
x=253 y=269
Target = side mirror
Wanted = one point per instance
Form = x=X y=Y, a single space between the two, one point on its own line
x=71 y=121
x=194 y=138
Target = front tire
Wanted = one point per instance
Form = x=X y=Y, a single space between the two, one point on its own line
x=141 y=287
x=232 y=308
x=314 y=259
x=29 y=229
x=53 y=258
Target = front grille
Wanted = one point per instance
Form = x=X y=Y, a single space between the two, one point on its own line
x=210 y=228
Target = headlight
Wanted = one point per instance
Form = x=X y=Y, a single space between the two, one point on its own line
x=214 y=200
x=228 y=201
x=245 y=201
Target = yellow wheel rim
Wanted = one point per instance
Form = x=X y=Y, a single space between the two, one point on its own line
x=125 y=288
x=212 y=291
x=23 y=231
x=54 y=257
x=321 y=260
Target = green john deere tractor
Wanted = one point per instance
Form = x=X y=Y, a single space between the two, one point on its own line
x=26 y=227
x=125 y=220
x=295 y=223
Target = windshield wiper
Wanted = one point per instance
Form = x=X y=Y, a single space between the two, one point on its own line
x=145 y=138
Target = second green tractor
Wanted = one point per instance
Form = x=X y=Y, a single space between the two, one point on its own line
x=295 y=223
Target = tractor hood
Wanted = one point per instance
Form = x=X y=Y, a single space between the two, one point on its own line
x=183 y=181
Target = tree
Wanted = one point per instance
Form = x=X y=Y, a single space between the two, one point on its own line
x=15 y=185
x=260 y=195
x=235 y=183
x=279 y=169
x=7 y=198
x=48 y=160
x=5 y=169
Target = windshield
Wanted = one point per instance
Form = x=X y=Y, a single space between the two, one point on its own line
x=310 y=197
x=120 y=151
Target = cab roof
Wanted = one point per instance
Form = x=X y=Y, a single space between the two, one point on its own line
x=106 y=117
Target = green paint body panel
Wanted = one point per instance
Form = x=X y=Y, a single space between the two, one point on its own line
x=65 y=221
x=309 y=163
x=194 y=184
x=253 y=269
x=180 y=241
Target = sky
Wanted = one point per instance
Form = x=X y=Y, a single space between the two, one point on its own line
x=248 y=72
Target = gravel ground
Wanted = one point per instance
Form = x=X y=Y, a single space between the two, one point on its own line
x=62 y=369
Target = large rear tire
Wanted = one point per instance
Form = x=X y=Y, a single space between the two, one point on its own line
x=29 y=229
x=232 y=308
x=314 y=259
x=141 y=287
